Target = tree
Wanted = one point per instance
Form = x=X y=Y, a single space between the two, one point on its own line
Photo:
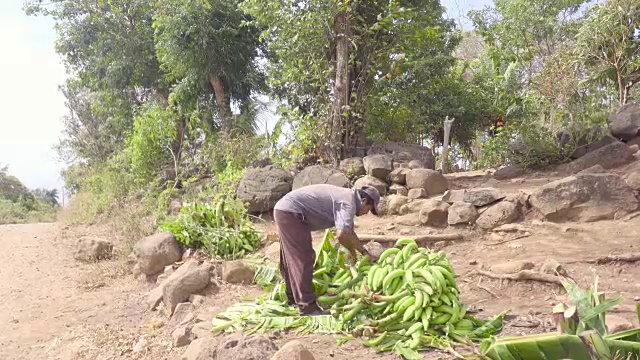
x=610 y=45
x=326 y=59
x=210 y=44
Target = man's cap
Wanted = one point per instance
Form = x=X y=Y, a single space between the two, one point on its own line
x=374 y=195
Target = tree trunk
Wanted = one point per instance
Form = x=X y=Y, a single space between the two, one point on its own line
x=620 y=86
x=223 y=101
x=341 y=86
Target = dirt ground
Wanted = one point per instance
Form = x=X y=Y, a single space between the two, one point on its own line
x=56 y=308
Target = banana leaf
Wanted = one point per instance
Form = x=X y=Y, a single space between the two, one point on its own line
x=488 y=328
x=535 y=347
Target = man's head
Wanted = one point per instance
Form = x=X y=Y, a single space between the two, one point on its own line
x=370 y=200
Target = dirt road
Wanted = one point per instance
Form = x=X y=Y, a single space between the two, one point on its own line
x=43 y=313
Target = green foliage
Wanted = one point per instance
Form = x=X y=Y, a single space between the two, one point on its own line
x=150 y=144
x=609 y=47
x=222 y=228
x=20 y=205
x=528 y=145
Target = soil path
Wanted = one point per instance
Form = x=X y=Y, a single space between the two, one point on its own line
x=43 y=313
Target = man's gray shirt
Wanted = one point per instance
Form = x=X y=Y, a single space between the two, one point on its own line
x=323 y=206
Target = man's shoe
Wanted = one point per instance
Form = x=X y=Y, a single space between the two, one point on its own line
x=317 y=312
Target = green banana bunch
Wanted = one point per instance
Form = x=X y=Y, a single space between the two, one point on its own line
x=409 y=292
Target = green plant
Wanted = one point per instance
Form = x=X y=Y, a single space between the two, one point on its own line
x=221 y=227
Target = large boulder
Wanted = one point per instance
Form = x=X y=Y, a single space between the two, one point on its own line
x=504 y=212
x=353 y=167
x=155 y=252
x=378 y=166
x=484 y=196
x=372 y=181
x=419 y=193
x=91 y=248
x=261 y=188
x=318 y=174
x=462 y=213
x=430 y=180
x=625 y=125
x=584 y=197
x=609 y=157
x=404 y=152
x=413 y=206
x=188 y=279
x=633 y=179
x=434 y=213
x=237 y=347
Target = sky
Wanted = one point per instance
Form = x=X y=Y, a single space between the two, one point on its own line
x=31 y=106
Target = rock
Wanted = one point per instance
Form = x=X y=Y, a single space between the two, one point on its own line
x=237 y=347
x=196 y=299
x=352 y=167
x=430 y=180
x=616 y=324
x=378 y=166
x=417 y=193
x=375 y=248
x=140 y=345
x=417 y=164
x=521 y=199
x=318 y=174
x=633 y=180
x=553 y=267
x=412 y=206
x=498 y=214
x=201 y=329
x=272 y=251
x=157 y=251
x=404 y=152
x=434 y=213
x=508 y=172
x=182 y=336
x=293 y=350
x=261 y=188
x=168 y=270
x=625 y=125
x=154 y=297
x=584 y=197
x=372 y=181
x=462 y=213
x=411 y=219
x=453 y=196
x=609 y=157
x=512 y=267
x=188 y=279
x=393 y=203
x=396 y=189
x=91 y=248
x=260 y=163
x=398 y=176
x=174 y=207
x=237 y=272
x=182 y=315
x=201 y=349
x=634 y=148
x=595 y=169
x=482 y=197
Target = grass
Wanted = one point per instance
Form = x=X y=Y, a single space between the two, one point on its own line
x=16 y=213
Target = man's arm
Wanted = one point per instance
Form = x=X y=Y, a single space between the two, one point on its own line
x=349 y=239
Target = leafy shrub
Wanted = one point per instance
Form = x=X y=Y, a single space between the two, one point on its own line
x=19 y=213
x=528 y=145
x=222 y=228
